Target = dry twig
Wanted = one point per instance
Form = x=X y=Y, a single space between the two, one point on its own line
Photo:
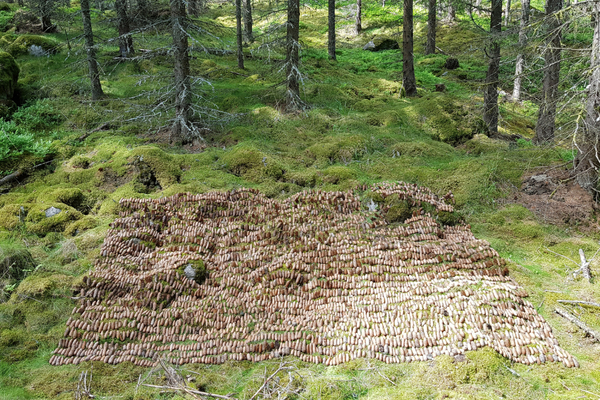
x=570 y=317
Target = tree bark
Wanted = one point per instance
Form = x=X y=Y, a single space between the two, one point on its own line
x=125 y=39
x=91 y=50
x=409 y=81
x=544 y=130
x=46 y=7
x=358 y=17
x=240 y=41
x=520 y=64
x=490 y=96
x=507 y=13
x=248 y=21
x=193 y=8
x=331 y=31
x=183 y=90
x=587 y=142
x=293 y=102
x=431 y=27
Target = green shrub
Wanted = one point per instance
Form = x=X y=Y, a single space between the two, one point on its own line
x=38 y=116
x=16 y=141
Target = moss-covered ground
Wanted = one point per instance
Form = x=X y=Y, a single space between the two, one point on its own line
x=359 y=129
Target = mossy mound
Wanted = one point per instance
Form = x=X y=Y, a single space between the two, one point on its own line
x=252 y=164
x=338 y=149
x=398 y=210
x=37 y=222
x=82 y=225
x=480 y=144
x=22 y=44
x=163 y=166
x=338 y=174
x=305 y=178
x=15 y=262
x=447 y=118
x=70 y=196
x=41 y=285
x=13 y=215
x=431 y=149
x=9 y=75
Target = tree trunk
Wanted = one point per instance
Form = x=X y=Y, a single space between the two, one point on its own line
x=331 y=31
x=248 y=21
x=46 y=9
x=408 y=67
x=293 y=102
x=358 y=17
x=193 y=8
x=490 y=96
x=587 y=142
x=507 y=13
x=90 y=50
x=544 y=130
x=520 y=64
x=183 y=90
x=431 y=27
x=240 y=41
x=125 y=39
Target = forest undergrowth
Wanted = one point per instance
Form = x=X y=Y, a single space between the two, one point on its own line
x=83 y=156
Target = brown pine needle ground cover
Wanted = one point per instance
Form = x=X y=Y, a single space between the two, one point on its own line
x=315 y=276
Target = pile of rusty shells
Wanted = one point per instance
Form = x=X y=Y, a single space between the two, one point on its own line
x=315 y=276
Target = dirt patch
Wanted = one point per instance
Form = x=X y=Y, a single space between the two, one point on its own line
x=556 y=198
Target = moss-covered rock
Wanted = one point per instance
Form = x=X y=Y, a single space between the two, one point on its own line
x=22 y=44
x=431 y=149
x=305 y=178
x=480 y=144
x=80 y=226
x=9 y=75
x=41 y=221
x=41 y=285
x=195 y=270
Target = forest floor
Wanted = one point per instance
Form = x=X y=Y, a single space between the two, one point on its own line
x=358 y=130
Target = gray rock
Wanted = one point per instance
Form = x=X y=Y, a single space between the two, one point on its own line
x=52 y=211
x=190 y=272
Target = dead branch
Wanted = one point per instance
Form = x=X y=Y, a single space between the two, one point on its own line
x=583 y=303
x=18 y=174
x=585 y=266
x=282 y=367
x=190 y=391
x=570 y=317
x=84 y=387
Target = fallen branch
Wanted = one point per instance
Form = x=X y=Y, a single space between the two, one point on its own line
x=282 y=367
x=18 y=174
x=583 y=303
x=570 y=317
x=585 y=266
x=189 y=391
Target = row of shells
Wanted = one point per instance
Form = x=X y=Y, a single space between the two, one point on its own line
x=315 y=276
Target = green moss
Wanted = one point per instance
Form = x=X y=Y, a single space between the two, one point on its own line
x=9 y=75
x=338 y=149
x=251 y=164
x=41 y=285
x=337 y=174
x=70 y=196
x=432 y=149
x=23 y=42
x=15 y=262
x=80 y=226
x=38 y=223
x=305 y=178
x=200 y=271
x=164 y=166
x=13 y=215
x=480 y=144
